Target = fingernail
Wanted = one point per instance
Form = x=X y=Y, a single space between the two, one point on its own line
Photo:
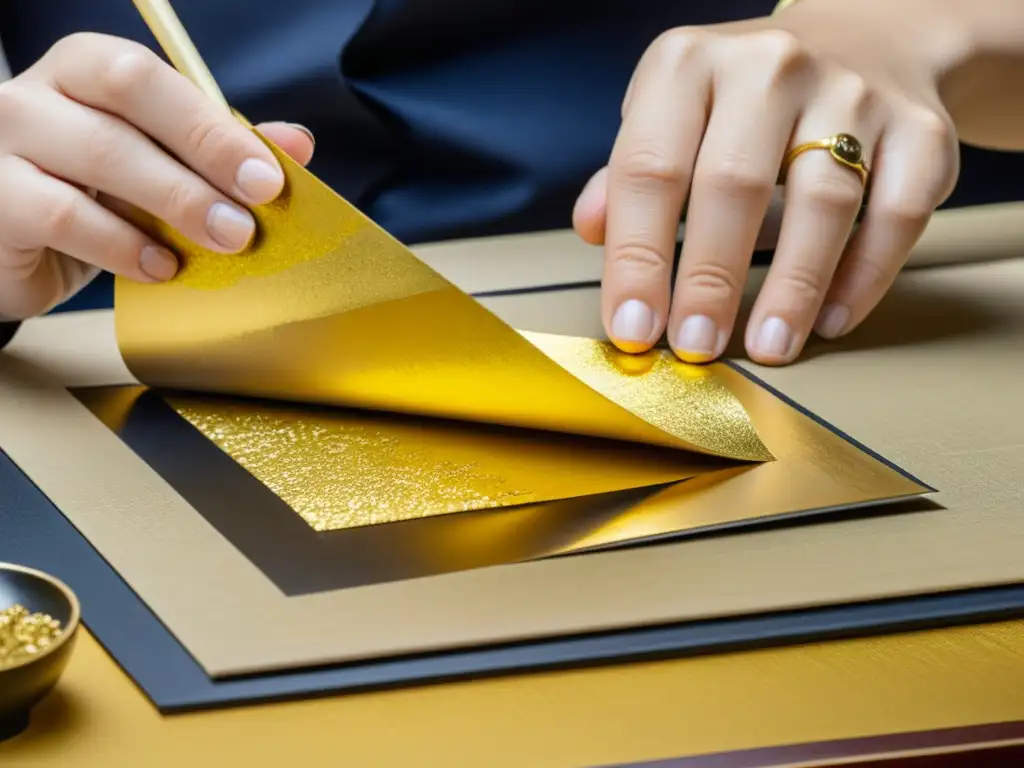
x=832 y=321
x=698 y=339
x=305 y=130
x=158 y=263
x=258 y=181
x=774 y=338
x=632 y=323
x=232 y=227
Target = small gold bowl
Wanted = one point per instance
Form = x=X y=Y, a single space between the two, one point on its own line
x=24 y=684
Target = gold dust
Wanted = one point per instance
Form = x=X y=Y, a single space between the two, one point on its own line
x=342 y=475
x=342 y=469
x=689 y=402
x=24 y=635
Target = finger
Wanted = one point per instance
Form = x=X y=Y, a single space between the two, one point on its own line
x=33 y=282
x=128 y=80
x=40 y=212
x=648 y=175
x=914 y=173
x=96 y=150
x=823 y=198
x=295 y=140
x=588 y=215
x=733 y=184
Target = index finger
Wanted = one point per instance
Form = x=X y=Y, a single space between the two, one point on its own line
x=648 y=178
x=129 y=81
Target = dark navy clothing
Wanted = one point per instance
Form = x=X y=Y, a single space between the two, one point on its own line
x=438 y=118
x=7 y=331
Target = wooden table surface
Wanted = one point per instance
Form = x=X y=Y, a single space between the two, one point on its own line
x=838 y=690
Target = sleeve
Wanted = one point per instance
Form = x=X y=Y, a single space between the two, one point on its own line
x=7 y=331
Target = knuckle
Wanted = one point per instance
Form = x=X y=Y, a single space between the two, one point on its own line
x=908 y=212
x=863 y=98
x=18 y=264
x=679 y=46
x=937 y=135
x=640 y=257
x=646 y=163
x=875 y=276
x=209 y=138
x=74 y=44
x=737 y=177
x=127 y=70
x=782 y=54
x=60 y=216
x=803 y=284
x=934 y=128
x=183 y=203
x=834 y=194
x=103 y=147
x=713 y=280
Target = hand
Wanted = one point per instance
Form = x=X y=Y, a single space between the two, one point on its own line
x=99 y=120
x=709 y=117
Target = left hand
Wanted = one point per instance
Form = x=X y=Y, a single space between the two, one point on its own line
x=709 y=117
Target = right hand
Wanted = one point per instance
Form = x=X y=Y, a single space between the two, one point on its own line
x=100 y=120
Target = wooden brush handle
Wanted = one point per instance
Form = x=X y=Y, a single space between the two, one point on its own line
x=163 y=22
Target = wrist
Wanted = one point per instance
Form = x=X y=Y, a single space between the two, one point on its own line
x=978 y=78
x=965 y=57
x=926 y=39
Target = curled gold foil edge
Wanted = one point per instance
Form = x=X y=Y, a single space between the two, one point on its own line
x=752 y=447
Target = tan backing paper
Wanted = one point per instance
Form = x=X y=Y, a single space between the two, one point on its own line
x=931 y=382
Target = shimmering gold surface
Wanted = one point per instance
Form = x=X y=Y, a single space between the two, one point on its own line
x=613 y=714
x=339 y=469
x=688 y=401
x=813 y=469
x=328 y=308
x=24 y=635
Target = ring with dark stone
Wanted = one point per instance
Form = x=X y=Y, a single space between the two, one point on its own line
x=842 y=147
x=846 y=148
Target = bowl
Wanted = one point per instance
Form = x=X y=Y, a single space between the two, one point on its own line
x=24 y=684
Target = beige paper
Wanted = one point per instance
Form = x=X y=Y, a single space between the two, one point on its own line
x=932 y=382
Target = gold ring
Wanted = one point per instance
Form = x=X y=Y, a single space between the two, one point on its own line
x=843 y=148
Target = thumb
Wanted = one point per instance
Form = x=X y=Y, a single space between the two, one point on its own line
x=295 y=140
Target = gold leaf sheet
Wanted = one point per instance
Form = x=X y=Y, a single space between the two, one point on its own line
x=344 y=469
x=328 y=308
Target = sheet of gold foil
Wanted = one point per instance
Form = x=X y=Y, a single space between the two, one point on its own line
x=342 y=469
x=689 y=401
x=328 y=308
